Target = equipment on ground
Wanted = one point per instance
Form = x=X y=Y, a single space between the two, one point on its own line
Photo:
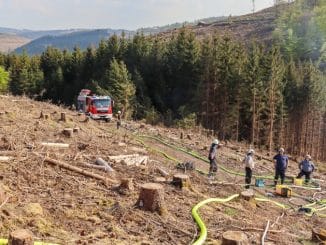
x=259 y=183
x=96 y=107
x=283 y=190
x=298 y=182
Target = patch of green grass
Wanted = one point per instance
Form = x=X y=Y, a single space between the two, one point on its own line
x=230 y=211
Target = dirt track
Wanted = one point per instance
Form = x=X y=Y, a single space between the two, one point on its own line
x=65 y=207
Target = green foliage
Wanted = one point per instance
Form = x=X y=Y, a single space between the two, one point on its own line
x=187 y=122
x=152 y=116
x=4 y=78
x=301 y=30
x=121 y=88
x=251 y=92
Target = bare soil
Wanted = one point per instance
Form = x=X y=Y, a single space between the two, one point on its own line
x=65 y=207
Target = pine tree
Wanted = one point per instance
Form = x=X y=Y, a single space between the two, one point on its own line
x=121 y=87
x=4 y=78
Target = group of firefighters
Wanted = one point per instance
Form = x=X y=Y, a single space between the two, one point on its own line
x=281 y=162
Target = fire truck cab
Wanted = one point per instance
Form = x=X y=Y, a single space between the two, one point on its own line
x=96 y=107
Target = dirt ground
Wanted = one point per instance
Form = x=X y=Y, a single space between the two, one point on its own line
x=65 y=207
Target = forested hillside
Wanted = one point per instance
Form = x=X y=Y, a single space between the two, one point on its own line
x=269 y=95
x=81 y=39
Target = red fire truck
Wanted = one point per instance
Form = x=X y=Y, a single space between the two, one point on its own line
x=97 y=107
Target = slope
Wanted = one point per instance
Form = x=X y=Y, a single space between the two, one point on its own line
x=62 y=206
x=81 y=39
x=9 y=42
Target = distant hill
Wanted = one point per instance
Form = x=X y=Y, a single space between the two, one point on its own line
x=158 y=29
x=82 y=39
x=9 y=42
x=31 y=34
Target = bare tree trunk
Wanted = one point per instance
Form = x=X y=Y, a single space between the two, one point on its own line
x=253 y=124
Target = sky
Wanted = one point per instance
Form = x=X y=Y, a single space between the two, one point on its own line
x=116 y=14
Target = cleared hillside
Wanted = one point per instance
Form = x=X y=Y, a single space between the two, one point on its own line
x=66 y=207
x=9 y=42
x=256 y=26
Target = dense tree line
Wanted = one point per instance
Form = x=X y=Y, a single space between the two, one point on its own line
x=266 y=95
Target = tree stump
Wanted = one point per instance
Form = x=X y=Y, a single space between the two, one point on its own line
x=151 y=198
x=127 y=184
x=234 y=238
x=318 y=234
x=181 y=180
x=181 y=135
x=63 y=117
x=21 y=237
x=189 y=137
x=68 y=132
x=248 y=195
x=76 y=129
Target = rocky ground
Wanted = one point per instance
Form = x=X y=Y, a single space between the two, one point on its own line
x=63 y=206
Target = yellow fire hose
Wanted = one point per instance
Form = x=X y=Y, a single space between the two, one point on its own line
x=203 y=230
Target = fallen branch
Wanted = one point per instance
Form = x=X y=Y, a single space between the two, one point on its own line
x=256 y=229
x=76 y=169
x=265 y=233
x=5 y=201
x=279 y=217
x=104 y=168
x=99 y=161
x=61 y=145
x=162 y=172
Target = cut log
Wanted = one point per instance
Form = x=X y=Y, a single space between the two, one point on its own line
x=160 y=180
x=63 y=117
x=21 y=237
x=318 y=234
x=99 y=161
x=133 y=159
x=121 y=157
x=4 y=158
x=151 y=198
x=127 y=184
x=76 y=169
x=181 y=180
x=60 y=145
x=68 y=132
x=248 y=195
x=104 y=168
x=234 y=238
x=163 y=172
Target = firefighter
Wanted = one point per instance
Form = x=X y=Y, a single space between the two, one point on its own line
x=306 y=168
x=249 y=166
x=212 y=158
x=281 y=162
x=119 y=119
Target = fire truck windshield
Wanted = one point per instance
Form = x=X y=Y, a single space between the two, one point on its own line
x=101 y=103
